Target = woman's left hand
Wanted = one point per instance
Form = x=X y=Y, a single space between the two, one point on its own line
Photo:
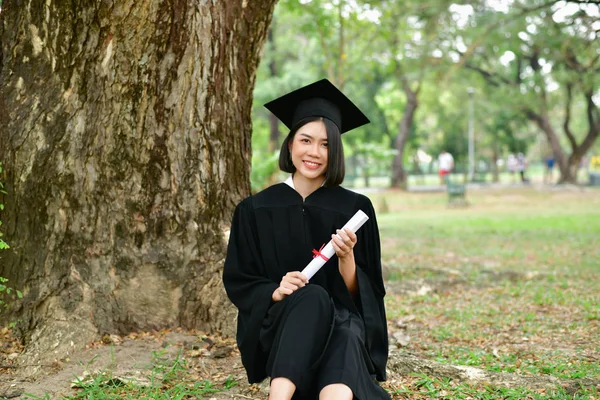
x=343 y=243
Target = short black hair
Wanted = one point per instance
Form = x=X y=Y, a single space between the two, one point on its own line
x=336 y=167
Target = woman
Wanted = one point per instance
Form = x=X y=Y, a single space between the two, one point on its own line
x=325 y=339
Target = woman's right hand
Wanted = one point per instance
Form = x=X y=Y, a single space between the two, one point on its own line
x=291 y=282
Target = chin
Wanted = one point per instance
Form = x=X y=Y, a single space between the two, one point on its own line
x=313 y=174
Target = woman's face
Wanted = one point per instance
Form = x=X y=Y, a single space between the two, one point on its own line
x=309 y=150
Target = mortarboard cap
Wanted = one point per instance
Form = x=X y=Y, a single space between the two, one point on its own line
x=319 y=99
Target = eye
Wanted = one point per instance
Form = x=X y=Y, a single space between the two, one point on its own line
x=325 y=144
x=304 y=140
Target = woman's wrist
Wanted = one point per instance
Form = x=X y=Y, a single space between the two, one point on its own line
x=347 y=258
x=347 y=265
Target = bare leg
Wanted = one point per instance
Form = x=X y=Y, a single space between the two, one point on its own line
x=281 y=389
x=336 y=391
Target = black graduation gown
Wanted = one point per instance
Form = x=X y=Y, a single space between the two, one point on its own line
x=274 y=232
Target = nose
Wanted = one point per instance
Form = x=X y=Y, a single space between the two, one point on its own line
x=314 y=150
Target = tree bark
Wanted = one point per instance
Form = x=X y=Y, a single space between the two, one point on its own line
x=399 y=175
x=125 y=138
x=494 y=163
x=273 y=120
x=567 y=164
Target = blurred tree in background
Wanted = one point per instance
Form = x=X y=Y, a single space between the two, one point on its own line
x=533 y=66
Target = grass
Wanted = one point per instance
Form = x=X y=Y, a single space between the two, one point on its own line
x=167 y=379
x=420 y=386
x=516 y=278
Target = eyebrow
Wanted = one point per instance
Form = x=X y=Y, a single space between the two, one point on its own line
x=310 y=137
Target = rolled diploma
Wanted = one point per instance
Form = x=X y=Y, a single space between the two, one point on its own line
x=315 y=265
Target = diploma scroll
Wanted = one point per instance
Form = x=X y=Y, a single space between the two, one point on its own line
x=326 y=252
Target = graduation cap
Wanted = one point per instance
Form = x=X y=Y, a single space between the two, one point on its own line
x=319 y=99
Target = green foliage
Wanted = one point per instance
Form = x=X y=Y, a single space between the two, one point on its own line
x=264 y=168
x=375 y=49
x=370 y=158
x=536 y=60
x=7 y=291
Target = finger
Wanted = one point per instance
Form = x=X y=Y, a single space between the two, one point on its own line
x=349 y=238
x=298 y=275
x=289 y=285
x=348 y=242
x=339 y=250
x=351 y=235
x=342 y=233
x=335 y=245
x=285 y=291
x=295 y=281
x=339 y=241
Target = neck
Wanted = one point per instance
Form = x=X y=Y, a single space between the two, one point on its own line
x=306 y=186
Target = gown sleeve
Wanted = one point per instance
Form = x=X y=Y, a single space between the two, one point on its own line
x=372 y=290
x=247 y=286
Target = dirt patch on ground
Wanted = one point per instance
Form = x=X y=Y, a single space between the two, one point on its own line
x=133 y=358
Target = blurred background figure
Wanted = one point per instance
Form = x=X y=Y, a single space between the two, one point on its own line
x=511 y=166
x=446 y=163
x=548 y=171
x=522 y=167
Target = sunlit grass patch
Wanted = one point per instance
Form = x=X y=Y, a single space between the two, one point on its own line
x=514 y=283
x=515 y=360
x=420 y=386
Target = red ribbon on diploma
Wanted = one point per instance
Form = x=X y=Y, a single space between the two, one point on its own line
x=317 y=253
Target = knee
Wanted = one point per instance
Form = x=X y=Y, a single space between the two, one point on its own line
x=315 y=294
x=314 y=298
x=336 y=391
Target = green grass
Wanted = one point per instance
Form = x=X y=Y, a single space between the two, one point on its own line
x=166 y=380
x=420 y=386
x=523 y=232
x=516 y=278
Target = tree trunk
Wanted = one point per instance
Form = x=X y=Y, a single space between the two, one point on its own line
x=273 y=120
x=495 y=172
x=562 y=160
x=274 y=133
x=569 y=165
x=367 y=177
x=126 y=143
x=399 y=175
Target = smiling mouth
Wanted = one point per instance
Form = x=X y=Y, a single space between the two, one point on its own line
x=311 y=165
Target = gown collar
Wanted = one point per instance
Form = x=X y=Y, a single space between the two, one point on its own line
x=290 y=182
